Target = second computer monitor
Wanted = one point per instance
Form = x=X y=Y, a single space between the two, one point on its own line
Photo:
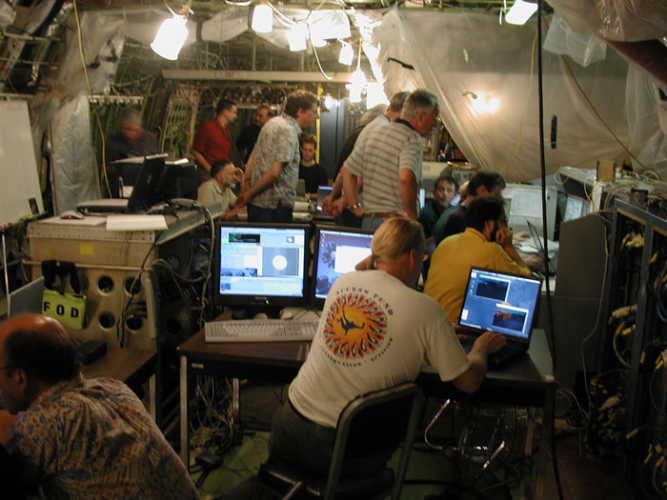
x=337 y=251
x=262 y=265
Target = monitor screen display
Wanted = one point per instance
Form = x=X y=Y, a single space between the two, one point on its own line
x=261 y=264
x=575 y=208
x=337 y=251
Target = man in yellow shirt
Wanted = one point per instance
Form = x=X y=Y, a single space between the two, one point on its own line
x=486 y=243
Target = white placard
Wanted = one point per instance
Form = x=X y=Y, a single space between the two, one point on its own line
x=19 y=180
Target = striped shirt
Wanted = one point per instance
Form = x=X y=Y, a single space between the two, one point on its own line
x=378 y=156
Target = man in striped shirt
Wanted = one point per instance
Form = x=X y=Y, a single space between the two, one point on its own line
x=389 y=161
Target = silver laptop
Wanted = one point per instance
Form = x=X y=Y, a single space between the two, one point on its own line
x=537 y=241
x=504 y=303
x=27 y=299
x=301 y=188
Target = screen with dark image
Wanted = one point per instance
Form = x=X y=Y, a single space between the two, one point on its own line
x=337 y=251
x=501 y=302
x=145 y=193
x=261 y=264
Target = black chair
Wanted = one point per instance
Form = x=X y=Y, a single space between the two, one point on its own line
x=379 y=421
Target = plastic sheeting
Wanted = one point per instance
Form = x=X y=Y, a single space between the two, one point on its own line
x=473 y=64
x=73 y=165
x=620 y=20
x=104 y=38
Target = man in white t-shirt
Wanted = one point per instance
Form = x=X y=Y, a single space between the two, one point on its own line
x=376 y=331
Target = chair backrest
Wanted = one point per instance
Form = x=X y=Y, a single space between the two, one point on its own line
x=373 y=423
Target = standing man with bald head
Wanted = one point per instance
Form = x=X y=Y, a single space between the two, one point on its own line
x=78 y=438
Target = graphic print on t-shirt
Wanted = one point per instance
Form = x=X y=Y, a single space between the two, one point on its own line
x=356 y=326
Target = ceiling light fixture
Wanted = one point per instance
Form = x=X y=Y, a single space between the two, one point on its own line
x=520 y=12
x=262 y=18
x=172 y=34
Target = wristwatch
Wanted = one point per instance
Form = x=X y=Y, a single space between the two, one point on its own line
x=354 y=207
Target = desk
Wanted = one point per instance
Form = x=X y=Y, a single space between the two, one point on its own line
x=529 y=381
x=132 y=366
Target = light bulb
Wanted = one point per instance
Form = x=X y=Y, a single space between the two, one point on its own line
x=520 y=12
x=358 y=79
x=346 y=54
x=297 y=37
x=262 y=18
x=170 y=37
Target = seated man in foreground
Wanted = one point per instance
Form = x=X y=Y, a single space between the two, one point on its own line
x=377 y=332
x=78 y=438
x=486 y=242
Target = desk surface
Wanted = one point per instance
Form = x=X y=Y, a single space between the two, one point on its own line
x=126 y=365
x=283 y=359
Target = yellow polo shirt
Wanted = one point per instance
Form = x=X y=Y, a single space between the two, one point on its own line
x=451 y=263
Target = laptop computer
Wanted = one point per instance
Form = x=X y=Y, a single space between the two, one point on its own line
x=27 y=299
x=537 y=241
x=322 y=193
x=504 y=303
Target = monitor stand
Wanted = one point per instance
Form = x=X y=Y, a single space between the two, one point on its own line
x=258 y=312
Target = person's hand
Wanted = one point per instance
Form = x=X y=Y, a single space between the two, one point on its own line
x=230 y=214
x=336 y=208
x=490 y=342
x=242 y=200
x=504 y=237
x=359 y=212
x=326 y=204
x=533 y=260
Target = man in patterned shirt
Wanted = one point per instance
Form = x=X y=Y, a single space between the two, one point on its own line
x=389 y=160
x=78 y=438
x=273 y=167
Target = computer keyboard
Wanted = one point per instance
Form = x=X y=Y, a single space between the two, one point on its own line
x=259 y=330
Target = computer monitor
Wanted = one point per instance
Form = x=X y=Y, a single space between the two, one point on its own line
x=337 y=251
x=261 y=266
x=523 y=203
x=575 y=207
x=179 y=179
x=145 y=193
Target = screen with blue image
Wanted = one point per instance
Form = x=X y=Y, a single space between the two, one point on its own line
x=338 y=251
x=500 y=302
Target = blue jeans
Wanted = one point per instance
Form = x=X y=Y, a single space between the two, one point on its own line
x=261 y=214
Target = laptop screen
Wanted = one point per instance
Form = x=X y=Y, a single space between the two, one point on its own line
x=501 y=302
x=322 y=193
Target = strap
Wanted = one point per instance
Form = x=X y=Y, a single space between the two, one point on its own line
x=70 y=268
x=50 y=271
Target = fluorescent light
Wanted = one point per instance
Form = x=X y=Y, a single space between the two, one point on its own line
x=346 y=54
x=170 y=37
x=262 y=18
x=520 y=12
x=297 y=37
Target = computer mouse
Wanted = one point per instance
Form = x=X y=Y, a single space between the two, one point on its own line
x=261 y=315
x=71 y=215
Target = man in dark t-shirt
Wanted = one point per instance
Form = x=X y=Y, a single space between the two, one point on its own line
x=309 y=170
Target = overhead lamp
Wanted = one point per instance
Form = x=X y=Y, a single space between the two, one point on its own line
x=520 y=12
x=358 y=78
x=329 y=102
x=346 y=54
x=262 y=18
x=170 y=37
x=355 y=94
x=172 y=34
x=297 y=37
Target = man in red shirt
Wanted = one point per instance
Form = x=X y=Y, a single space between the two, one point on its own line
x=214 y=139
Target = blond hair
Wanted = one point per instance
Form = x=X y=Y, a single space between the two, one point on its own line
x=395 y=237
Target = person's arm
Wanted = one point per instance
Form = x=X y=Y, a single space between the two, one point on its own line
x=262 y=184
x=471 y=379
x=350 y=189
x=407 y=188
x=6 y=423
x=504 y=239
x=201 y=160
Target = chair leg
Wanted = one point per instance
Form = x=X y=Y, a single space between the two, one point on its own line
x=293 y=491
